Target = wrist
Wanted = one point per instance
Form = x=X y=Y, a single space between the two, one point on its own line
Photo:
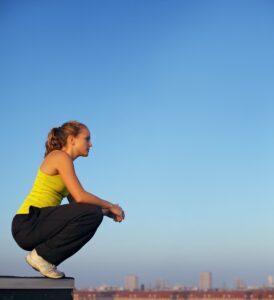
x=110 y=205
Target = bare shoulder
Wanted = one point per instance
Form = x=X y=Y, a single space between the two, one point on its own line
x=54 y=160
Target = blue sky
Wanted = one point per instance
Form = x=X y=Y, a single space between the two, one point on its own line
x=178 y=96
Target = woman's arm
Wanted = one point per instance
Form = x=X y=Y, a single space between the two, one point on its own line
x=64 y=165
x=106 y=212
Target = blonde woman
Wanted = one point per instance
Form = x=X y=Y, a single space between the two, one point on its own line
x=54 y=232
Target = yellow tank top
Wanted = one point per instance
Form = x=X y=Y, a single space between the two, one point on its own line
x=47 y=190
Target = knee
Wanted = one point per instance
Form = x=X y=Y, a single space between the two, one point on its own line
x=97 y=213
x=93 y=212
x=95 y=218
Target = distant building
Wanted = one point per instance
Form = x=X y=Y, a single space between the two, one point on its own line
x=160 y=285
x=205 y=282
x=270 y=281
x=239 y=284
x=131 y=283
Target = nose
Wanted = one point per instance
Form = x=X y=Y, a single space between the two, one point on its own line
x=90 y=144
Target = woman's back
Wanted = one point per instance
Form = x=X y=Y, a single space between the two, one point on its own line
x=47 y=190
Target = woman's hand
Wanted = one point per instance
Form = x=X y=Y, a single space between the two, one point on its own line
x=117 y=212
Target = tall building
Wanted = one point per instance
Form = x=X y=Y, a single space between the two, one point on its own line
x=205 y=282
x=131 y=283
x=239 y=284
x=160 y=285
x=270 y=281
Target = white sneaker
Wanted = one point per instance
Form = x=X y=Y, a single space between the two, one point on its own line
x=40 y=264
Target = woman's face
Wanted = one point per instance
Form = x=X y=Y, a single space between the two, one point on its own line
x=82 y=142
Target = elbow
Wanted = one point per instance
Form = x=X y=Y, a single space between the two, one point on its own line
x=79 y=198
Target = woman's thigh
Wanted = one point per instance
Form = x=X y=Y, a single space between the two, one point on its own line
x=43 y=223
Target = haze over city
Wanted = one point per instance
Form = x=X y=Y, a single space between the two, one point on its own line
x=178 y=96
x=204 y=282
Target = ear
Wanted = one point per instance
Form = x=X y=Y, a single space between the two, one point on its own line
x=71 y=140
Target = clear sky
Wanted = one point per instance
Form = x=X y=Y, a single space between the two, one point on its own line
x=179 y=97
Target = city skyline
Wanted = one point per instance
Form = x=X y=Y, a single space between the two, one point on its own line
x=205 y=282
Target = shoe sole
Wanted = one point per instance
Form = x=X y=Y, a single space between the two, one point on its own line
x=29 y=261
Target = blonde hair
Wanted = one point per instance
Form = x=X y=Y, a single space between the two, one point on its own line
x=57 y=137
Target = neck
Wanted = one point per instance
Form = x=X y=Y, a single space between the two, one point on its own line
x=70 y=152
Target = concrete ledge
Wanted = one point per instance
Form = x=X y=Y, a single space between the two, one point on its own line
x=36 y=288
x=14 y=282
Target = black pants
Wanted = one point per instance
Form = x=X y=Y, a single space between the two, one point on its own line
x=56 y=232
